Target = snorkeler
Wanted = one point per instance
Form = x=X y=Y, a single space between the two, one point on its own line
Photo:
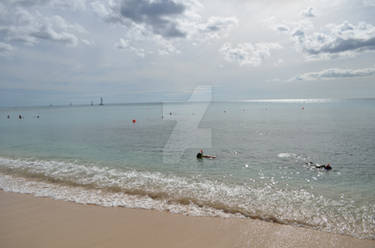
x=200 y=155
x=327 y=166
x=320 y=166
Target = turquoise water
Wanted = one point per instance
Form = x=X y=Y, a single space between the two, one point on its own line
x=95 y=154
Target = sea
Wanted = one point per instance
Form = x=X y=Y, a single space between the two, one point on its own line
x=144 y=156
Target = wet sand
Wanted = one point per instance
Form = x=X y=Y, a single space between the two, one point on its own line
x=27 y=221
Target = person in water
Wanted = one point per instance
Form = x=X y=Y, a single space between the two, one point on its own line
x=320 y=166
x=326 y=167
x=200 y=154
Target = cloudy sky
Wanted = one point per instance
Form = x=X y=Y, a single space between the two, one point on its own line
x=62 y=51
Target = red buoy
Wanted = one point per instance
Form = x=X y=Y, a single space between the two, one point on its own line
x=134 y=121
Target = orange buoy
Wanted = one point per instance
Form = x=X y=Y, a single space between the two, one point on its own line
x=134 y=121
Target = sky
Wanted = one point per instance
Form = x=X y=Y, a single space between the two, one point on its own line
x=76 y=51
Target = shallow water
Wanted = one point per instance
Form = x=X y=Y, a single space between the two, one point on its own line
x=95 y=154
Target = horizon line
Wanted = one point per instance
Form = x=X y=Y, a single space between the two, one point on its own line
x=253 y=100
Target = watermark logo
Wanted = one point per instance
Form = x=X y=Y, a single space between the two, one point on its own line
x=186 y=133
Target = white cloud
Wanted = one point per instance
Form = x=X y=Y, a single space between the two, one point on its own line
x=248 y=53
x=125 y=45
x=307 y=12
x=46 y=32
x=163 y=23
x=216 y=25
x=87 y=42
x=144 y=45
x=336 y=73
x=5 y=48
x=287 y=26
x=345 y=39
x=332 y=41
x=62 y=24
x=200 y=30
x=75 y=5
x=166 y=18
x=165 y=47
x=282 y=28
x=29 y=26
x=100 y=9
x=143 y=42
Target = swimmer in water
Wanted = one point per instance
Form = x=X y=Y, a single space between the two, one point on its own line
x=326 y=167
x=320 y=166
x=200 y=154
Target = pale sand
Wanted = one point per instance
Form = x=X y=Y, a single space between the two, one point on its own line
x=27 y=221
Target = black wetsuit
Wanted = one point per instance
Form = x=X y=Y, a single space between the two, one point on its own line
x=199 y=155
x=327 y=167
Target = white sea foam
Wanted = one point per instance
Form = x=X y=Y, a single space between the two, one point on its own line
x=297 y=157
x=101 y=198
x=263 y=199
x=287 y=155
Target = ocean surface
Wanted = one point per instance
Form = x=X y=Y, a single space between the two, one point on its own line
x=97 y=155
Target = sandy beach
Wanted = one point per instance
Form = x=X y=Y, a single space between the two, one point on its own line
x=28 y=221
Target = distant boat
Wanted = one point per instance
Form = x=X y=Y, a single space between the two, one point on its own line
x=101 y=101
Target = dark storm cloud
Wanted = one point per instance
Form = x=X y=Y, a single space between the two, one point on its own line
x=345 y=39
x=159 y=15
x=340 y=45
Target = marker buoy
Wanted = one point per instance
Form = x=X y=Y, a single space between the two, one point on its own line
x=134 y=121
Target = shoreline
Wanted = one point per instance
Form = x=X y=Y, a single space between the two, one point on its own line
x=29 y=221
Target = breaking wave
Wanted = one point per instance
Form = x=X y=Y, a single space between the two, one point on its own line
x=197 y=196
